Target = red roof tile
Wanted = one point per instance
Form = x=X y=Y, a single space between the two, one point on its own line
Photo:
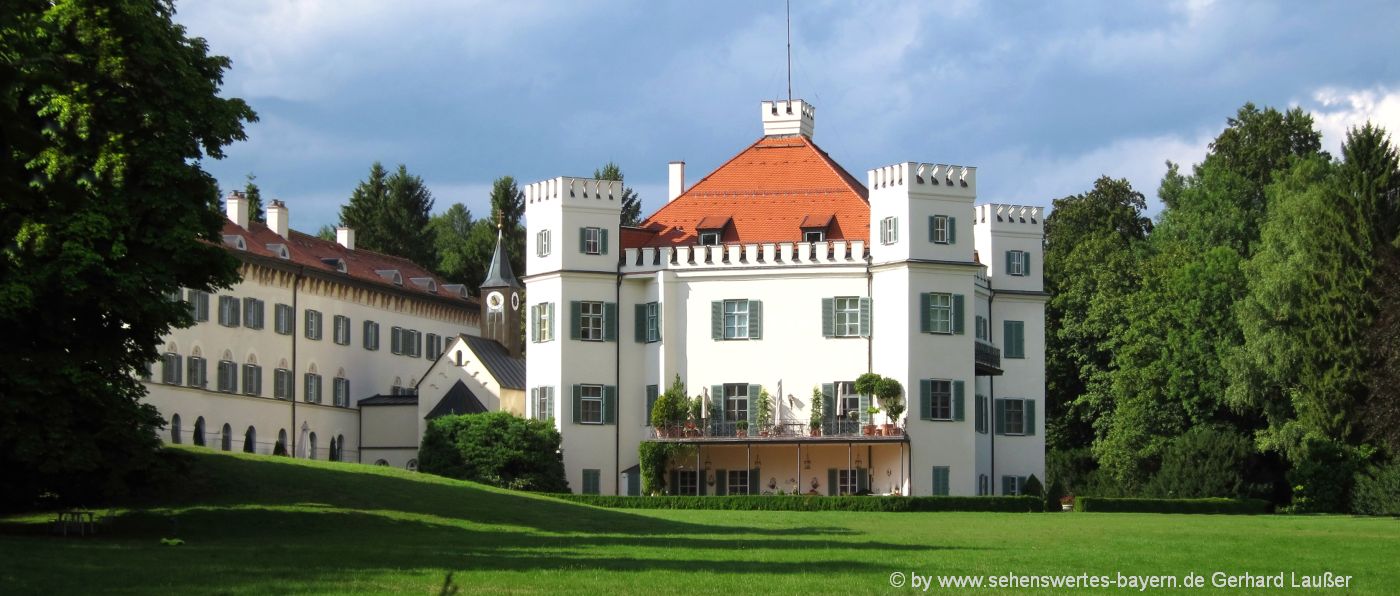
x=309 y=251
x=766 y=191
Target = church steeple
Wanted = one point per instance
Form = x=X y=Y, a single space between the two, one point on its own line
x=500 y=313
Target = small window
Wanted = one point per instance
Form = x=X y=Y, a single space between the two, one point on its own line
x=313 y=324
x=593 y=241
x=544 y=402
x=982 y=485
x=229 y=310
x=1014 y=340
x=1012 y=485
x=592 y=482
x=253 y=310
x=252 y=380
x=340 y=388
x=847 y=481
x=938 y=229
x=434 y=346
x=227 y=376
x=1018 y=263
x=282 y=383
x=226 y=438
x=814 y=236
x=371 y=336
x=709 y=238
x=341 y=330
x=736 y=319
x=175 y=430
x=250 y=440
x=199 y=305
x=940 y=399
x=653 y=321
x=170 y=373
x=889 y=230
x=736 y=402
x=983 y=328
x=198 y=373
x=848 y=401
x=940 y=480
x=737 y=482
x=312 y=392
x=1015 y=416
x=847 y=316
x=591 y=321
x=542 y=243
x=940 y=312
x=591 y=404
x=979 y=414
x=284 y=319
x=543 y=317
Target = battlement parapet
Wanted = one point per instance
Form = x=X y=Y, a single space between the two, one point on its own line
x=747 y=256
x=574 y=190
x=925 y=178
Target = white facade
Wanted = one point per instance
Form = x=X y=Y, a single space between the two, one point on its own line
x=900 y=277
x=283 y=271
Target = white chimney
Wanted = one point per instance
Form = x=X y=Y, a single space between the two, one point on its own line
x=277 y=217
x=788 y=117
x=677 y=185
x=345 y=237
x=236 y=208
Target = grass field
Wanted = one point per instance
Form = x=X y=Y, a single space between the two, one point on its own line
x=273 y=525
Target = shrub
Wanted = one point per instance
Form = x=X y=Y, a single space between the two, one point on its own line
x=817 y=407
x=1021 y=504
x=495 y=448
x=1053 y=494
x=654 y=458
x=1213 y=505
x=1205 y=461
x=1323 y=470
x=1377 y=490
x=1033 y=487
x=670 y=407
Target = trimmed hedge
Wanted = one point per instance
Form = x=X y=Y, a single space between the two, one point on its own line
x=1131 y=505
x=1023 y=504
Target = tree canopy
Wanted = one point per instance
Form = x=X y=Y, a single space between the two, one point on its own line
x=105 y=111
x=390 y=213
x=631 y=203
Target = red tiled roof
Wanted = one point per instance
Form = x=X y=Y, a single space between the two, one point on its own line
x=363 y=265
x=766 y=192
x=817 y=221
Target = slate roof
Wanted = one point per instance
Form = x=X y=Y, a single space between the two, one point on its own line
x=499 y=274
x=389 y=400
x=458 y=400
x=766 y=192
x=508 y=371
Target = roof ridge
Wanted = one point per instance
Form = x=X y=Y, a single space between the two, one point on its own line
x=702 y=180
x=840 y=171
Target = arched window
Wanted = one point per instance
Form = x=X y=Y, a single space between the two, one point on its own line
x=311 y=446
x=381 y=462
x=175 y=430
x=250 y=441
x=340 y=444
x=281 y=447
x=226 y=438
x=199 y=431
x=412 y=465
x=334 y=456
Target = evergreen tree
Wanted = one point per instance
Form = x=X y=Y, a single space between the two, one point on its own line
x=390 y=214
x=106 y=111
x=631 y=204
x=451 y=232
x=508 y=204
x=254 y=195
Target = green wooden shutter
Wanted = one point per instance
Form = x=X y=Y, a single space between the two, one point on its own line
x=828 y=317
x=932 y=228
x=831 y=481
x=958 y=314
x=534 y=325
x=575 y=319
x=603 y=241
x=753 y=411
x=675 y=487
x=999 y=420
x=1025 y=262
x=717 y=319
x=610 y=404
x=925 y=399
x=1010 y=260
x=864 y=409
x=1030 y=417
x=583 y=240
x=865 y=317
x=925 y=322
x=578 y=404
x=1008 y=485
x=755 y=319
x=862 y=481
x=634 y=484
x=534 y=402
x=828 y=401
x=609 y=321
x=657 y=337
x=754 y=477
x=1014 y=336
x=640 y=333
x=958 y=413
x=721 y=483
x=952 y=230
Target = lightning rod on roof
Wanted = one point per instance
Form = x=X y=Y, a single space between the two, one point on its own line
x=789 y=49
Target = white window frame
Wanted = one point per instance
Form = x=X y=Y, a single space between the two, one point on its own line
x=252 y=379
x=284 y=319
x=736 y=319
x=542 y=243
x=710 y=238
x=847 y=400
x=1017 y=265
x=544 y=322
x=737 y=488
x=341 y=330
x=226 y=376
x=193 y=364
x=813 y=236
x=847 y=481
x=847 y=320
x=1019 y=428
x=253 y=310
x=340 y=391
x=371 y=335
x=940 y=313
x=737 y=402
x=590 y=321
x=282 y=379
x=687 y=482
x=313 y=331
x=170 y=374
x=653 y=321
x=889 y=230
x=940 y=229
x=312 y=384
x=544 y=402
x=587 y=397
x=592 y=241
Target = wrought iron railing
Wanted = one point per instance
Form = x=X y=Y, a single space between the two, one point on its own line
x=783 y=429
x=986 y=354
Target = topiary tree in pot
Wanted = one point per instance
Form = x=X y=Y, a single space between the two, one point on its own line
x=669 y=411
x=891 y=395
x=818 y=409
x=764 y=403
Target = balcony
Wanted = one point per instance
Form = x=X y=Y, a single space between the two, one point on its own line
x=987 y=358
x=718 y=431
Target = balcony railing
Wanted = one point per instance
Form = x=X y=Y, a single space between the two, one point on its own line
x=783 y=429
x=987 y=358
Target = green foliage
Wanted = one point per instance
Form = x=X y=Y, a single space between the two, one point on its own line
x=866 y=383
x=1133 y=505
x=464 y=246
x=1033 y=487
x=891 y=395
x=1322 y=475
x=254 y=196
x=390 y=213
x=106 y=111
x=1053 y=494
x=326 y=232
x=669 y=410
x=1380 y=412
x=817 y=407
x=508 y=207
x=1015 y=504
x=764 y=404
x=496 y=448
x=631 y=203
x=1377 y=490
x=1205 y=461
x=654 y=458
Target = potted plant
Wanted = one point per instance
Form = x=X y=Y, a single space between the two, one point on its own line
x=741 y=428
x=764 y=403
x=866 y=384
x=869 y=428
x=669 y=411
x=891 y=395
x=817 y=407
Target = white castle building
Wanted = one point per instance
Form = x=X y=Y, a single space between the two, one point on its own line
x=781 y=272
x=318 y=332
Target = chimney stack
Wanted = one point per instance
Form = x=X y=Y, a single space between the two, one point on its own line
x=345 y=237
x=236 y=208
x=277 y=217
x=677 y=185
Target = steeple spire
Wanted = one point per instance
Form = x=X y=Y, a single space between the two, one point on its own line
x=499 y=274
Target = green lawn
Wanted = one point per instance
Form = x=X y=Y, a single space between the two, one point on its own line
x=271 y=525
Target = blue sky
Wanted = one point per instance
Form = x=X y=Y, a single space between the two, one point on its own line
x=1043 y=97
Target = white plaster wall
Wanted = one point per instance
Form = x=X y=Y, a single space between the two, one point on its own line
x=1023 y=378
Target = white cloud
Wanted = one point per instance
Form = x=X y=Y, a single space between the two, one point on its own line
x=1336 y=110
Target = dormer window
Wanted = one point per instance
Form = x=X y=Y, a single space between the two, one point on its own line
x=709 y=238
x=814 y=235
x=710 y=229
x=814 y=227
x=236 y=241
x=390 y=275
x=338 y=264
x=280 y=250
x=427 y=283
x=458 y=289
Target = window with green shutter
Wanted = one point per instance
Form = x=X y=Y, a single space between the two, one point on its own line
x=593 y=241
x=940 y=399
x=648 y=322
x=980 y=414
x=1014 y=339
x=942 y=229
x=845 y=316
x=542 y=322
x=1015 y=416
x=590 y=404
x=940 y=480
x=593 y=321
x=1018 y=263
x=736 y=319
x=941 y=313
